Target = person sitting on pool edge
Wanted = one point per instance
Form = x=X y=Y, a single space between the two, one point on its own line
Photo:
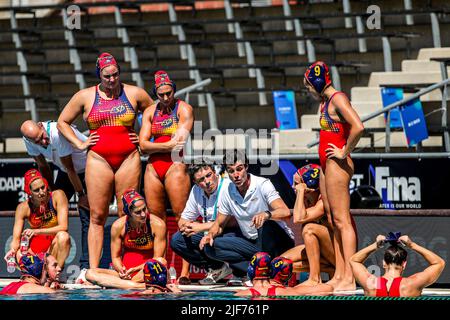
x=135 y=238
x=392 y=284
x=40 y=273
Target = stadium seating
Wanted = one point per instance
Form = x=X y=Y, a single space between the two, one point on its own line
x=163 y=39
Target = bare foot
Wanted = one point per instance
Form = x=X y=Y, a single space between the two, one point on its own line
x=344 y=286
x=310 y=283
x=334 y=282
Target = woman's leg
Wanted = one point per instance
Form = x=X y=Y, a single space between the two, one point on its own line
x=127 y=176
x=318 y=246
x=99 y=184
x=339 y=260
x=110 y=279
x=178 y=186
x=155 y=195
x=61 y=247
x=337 y=180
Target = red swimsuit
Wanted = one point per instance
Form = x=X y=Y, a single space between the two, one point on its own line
x=138 y=246
x=270 y=292
x=112 y=120
x=40 y=218
x=13 y=287
x=331 y=132
x=163 y=127
x=394 y=290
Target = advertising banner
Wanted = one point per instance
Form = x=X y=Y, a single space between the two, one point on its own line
x=285 y=110
x=389 y=96
x=414 y=123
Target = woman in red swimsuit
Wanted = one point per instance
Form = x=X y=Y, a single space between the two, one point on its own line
x=392 y=284
x=113 y=162
x=316 y=255
x=169 y=123
x=47 y=214
x=340 y=131
x=135 y=238
x=39 y=272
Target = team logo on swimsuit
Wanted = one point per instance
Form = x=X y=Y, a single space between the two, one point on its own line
x=46 y=219
x=167 y=123
x=119 y=109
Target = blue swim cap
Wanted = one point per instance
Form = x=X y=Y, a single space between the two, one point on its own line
x=310 y=175
x=155 y=274
x=281 y=269
x=32 y=265
x=259 y=266
x=318 y=75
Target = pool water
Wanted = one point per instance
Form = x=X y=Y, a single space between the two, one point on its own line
x=114 y=294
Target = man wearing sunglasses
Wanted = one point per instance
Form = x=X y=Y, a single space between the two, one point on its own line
x=45 y=143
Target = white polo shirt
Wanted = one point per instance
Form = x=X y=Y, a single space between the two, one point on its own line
x=59 y=147
x=257 y=199
x=198 y=202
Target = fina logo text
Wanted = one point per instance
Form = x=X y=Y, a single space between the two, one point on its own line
x=398 y=188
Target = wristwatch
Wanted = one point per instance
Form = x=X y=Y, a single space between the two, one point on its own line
x=269 y=213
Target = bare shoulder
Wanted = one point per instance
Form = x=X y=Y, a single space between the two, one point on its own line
x=150 y=110
x=23 y=208
x=132 y=89
x=184 y=106
x=59 y=194
x=118 y=224
x=156 y=221
x=85 y=94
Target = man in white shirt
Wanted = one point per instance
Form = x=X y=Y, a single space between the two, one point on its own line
x=203 y=202
x=45 y=143
x=259 y=211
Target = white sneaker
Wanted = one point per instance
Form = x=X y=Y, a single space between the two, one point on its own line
x=215 y=275
x=81 y=279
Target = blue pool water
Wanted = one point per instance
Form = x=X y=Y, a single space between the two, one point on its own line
x=114 y=294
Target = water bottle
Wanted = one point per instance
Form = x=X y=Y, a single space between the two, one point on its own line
x=173 y=274
x=24 y=243
x=11 y=264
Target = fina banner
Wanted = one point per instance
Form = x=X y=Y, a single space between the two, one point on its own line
x=414 y=123
x=285 y=110
x=401 y=183
x=390 y=96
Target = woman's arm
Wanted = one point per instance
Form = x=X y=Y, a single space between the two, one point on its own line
x=365 y=279
x=313 y=213
x=61 y=205
x=143 y=100
x=345 y=110
x=432 y=272
x=71 y=111
x=160 y=236
x=145 y=134
x=116 y=245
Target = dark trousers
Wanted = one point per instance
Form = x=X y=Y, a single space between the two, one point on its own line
x=63 y=182
x=238 y=250
x=188 y=249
